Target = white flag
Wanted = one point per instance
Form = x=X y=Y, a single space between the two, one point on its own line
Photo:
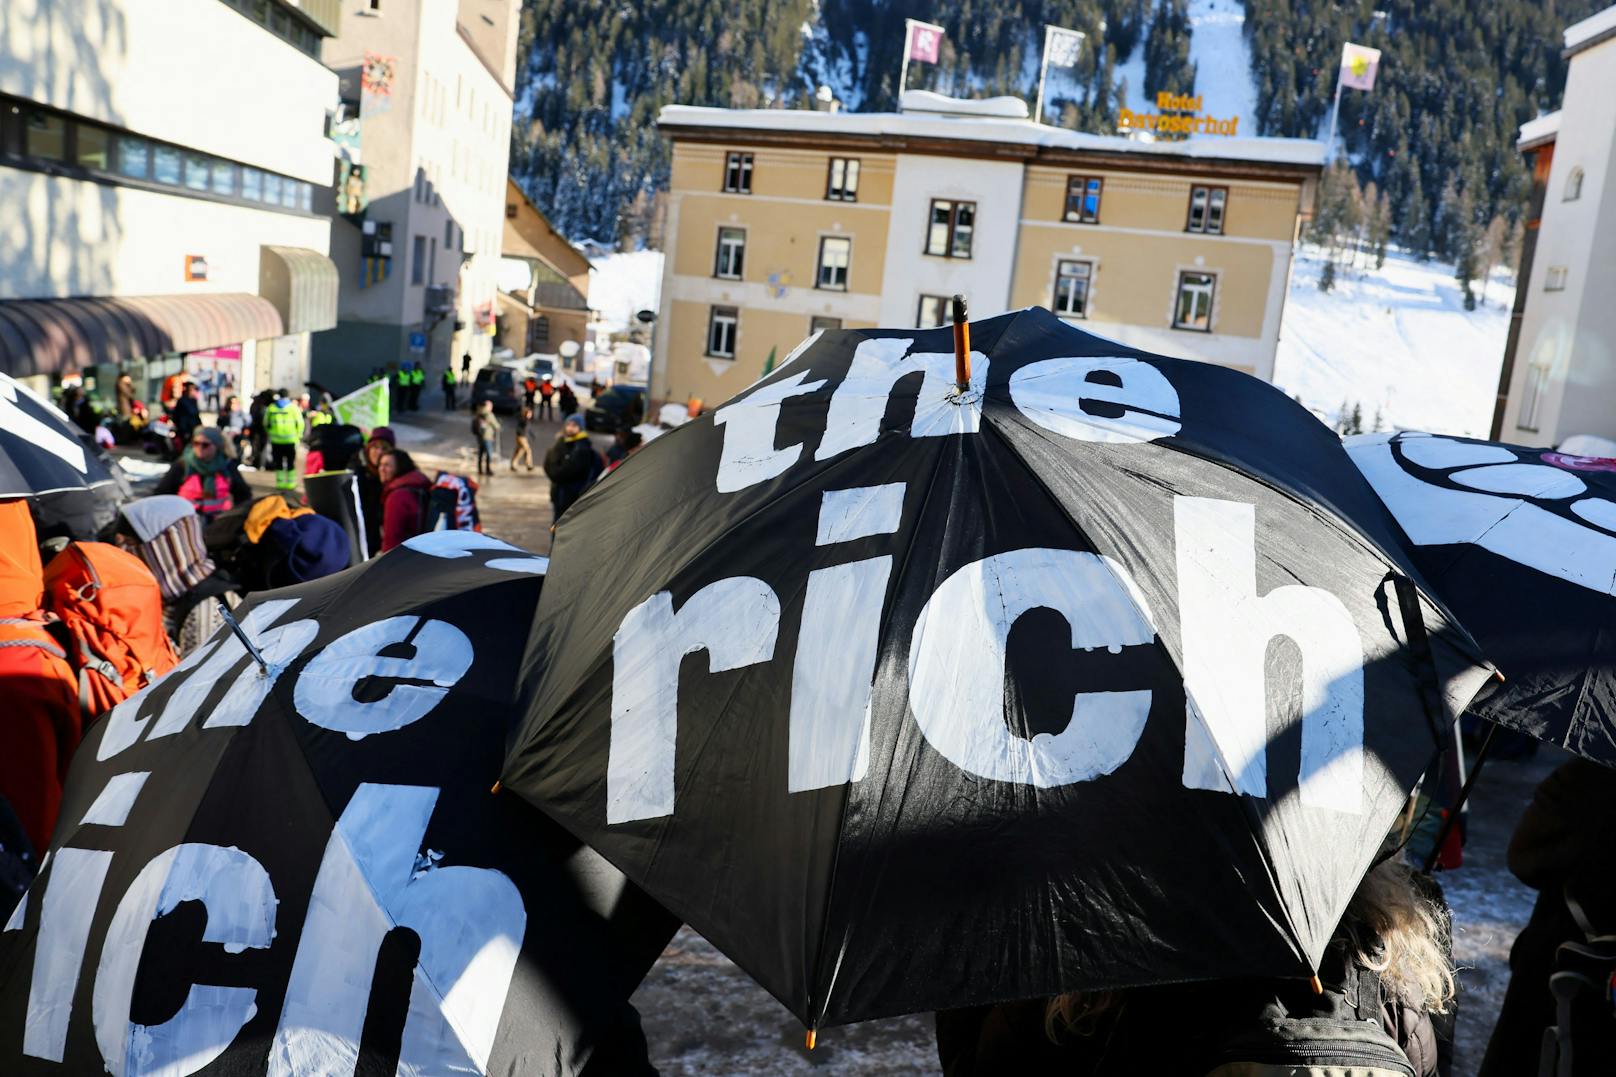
x=1061 y=46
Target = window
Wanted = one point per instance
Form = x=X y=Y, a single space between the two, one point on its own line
x=432 y=262
x=1083 y=199
x=1535 y=384
x=1555 y=279
x=1206 y=209
x=1573 y=187
x=197 y=169
x=94 y=149
x=817 y=324
x=166 y=165
x=448 y=235
x=834 y=254
x=721 y=327
x=134 y=156
x=1194 y=307
x=252 y=184
x=1072 y=289
x=738 y=173
x=731 y=253
x=272 y=188
x=933 y=312
x=224 y=177
x=375 y=6
x=45 y=136
x=843 y=183
x=418 y=261
x=950 y=226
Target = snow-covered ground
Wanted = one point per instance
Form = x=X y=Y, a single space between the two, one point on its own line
x=1222 y=66
x=1398 y=341
x=624 y=283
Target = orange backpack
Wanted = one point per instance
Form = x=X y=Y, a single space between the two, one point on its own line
x=40 y=723
x=112 y=611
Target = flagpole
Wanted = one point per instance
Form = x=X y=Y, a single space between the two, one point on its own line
x=903 y=76
x=1043 y=73
x=1329 y=146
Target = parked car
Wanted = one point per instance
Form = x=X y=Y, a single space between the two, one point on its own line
x=622 y=407
x=501 y=384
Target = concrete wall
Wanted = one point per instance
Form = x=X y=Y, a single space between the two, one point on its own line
x=1571 y=333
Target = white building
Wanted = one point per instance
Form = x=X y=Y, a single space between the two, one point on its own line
x=1559 y=376
x=160 y=197
x=418 y=244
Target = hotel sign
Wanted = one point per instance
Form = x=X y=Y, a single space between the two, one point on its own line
x=1178 y=115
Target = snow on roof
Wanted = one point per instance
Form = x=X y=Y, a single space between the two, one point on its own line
x=1291 y=151
x=1590 y=31
x=1001 y=108
x=1536 y=132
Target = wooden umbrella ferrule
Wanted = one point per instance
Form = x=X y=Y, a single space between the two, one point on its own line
x=962 y=345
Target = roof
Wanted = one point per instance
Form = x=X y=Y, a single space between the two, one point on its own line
x=1031 y=138
x=1591 y=31
x=1535 y=133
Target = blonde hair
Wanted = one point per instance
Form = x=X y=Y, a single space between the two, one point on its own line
x=1390 y=926
x=1394 y=929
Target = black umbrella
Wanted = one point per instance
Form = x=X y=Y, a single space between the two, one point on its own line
x=45 y=457
x=1520 y=543
x=300 y=867
x=910 y=698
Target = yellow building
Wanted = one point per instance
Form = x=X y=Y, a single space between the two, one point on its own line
x=784 y=222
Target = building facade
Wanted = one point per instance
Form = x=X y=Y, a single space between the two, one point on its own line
x=152 y=229
x=553 y=307
x=1559 y=375
x=784 y=222
x=425 y=137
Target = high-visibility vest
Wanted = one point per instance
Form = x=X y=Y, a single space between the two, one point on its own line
x=195 y=490
x=419 y=376
x=318 y=418
x=284 y=421
x=448 y=376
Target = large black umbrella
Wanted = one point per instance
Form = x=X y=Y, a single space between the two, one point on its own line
x=1104 y=672
x=45 y=458
x=305 y=871
x=1520 y=543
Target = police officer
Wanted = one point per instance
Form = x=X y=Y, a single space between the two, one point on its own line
x=284 y=421
x=417 y=383
x=449 y=387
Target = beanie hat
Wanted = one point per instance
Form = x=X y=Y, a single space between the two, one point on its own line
x=384 y=433
x=310 y=547
x=575 y=418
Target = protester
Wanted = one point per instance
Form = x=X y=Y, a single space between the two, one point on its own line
x=524 y=450
x=485 y=428
x=628 y=443
x=571 y=464
x=405 y=490
x=186 y=413
x=465 y=367
x=125 y=389
x=284 y=421
x=547 y=391
x=1561 y=848
x=368 y=469
x=449 y=387
x=234 y=423
x=205 y=475
x=256 y=414
x=568 y=399
x=1391 y=936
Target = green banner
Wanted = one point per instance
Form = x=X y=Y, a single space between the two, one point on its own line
x=365 y=408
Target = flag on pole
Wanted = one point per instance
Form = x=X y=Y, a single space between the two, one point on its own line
x=1062 y=46
x=365 y=408
x=925 y=41
x=1358 y=66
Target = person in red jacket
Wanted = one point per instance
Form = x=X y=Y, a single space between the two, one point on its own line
x=405 y=490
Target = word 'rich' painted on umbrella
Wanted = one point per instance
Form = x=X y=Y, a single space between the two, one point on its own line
x=1226 y=624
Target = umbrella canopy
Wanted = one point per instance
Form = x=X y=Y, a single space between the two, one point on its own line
x=1104 y=672
x=1520 y=543
x=41 y=451
x=304 y=871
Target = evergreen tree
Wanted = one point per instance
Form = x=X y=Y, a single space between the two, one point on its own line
x=1327 y=278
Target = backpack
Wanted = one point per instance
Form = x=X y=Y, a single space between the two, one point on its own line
x=1334 y=1034
x=452 y=504
x=112 y=613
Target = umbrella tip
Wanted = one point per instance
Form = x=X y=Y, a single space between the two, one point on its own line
x=811 y=1039
x=495 y=788
x=1313 y=982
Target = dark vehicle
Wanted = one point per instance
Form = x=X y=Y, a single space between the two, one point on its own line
x=501 y=384
x=621 y=407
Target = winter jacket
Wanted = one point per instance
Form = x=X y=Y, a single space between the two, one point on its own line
x=187 y=417
x=485 y=427
x=198 y=492
x=571 y=465
x=404 y=508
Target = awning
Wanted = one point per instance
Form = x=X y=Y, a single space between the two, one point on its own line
x=303 y=286
x=62 y=336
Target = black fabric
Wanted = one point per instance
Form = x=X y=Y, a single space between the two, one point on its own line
x=1520 y=544
x=272 y=784
x=917 y=884
x=41 y=451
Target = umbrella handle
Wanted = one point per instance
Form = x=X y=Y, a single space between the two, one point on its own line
x=1464 y=794
x=962 y=345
